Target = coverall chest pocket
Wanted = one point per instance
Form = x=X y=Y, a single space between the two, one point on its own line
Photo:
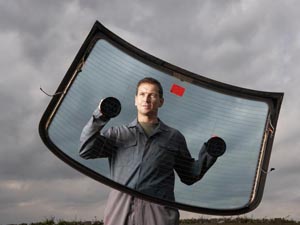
x=166 y=154
x=126 y=154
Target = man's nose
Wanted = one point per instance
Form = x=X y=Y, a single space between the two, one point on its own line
x=147 y=98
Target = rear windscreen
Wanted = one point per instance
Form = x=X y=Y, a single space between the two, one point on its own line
x=199 y=113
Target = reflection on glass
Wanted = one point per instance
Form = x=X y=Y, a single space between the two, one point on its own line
x=198 y=114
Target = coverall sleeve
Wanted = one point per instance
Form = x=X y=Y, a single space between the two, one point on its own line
x=92 y=143
x=188 y=169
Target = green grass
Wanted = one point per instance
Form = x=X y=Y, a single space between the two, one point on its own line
x=223 y=221
x=239 y=220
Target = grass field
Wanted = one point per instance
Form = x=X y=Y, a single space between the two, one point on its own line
x=248 y=221
x=225 y=221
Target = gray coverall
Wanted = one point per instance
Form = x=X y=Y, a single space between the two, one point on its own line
x=145 y=164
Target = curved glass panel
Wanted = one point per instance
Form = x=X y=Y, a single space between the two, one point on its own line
x=198 y=111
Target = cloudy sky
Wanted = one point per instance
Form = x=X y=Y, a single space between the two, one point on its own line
x=252 y=44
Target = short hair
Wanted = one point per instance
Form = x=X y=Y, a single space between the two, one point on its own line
x=151 y=80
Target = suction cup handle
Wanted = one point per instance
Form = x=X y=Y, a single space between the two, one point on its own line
x=216 y=146
x=110 y=107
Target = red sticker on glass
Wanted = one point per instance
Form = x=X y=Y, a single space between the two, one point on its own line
x=177 y=90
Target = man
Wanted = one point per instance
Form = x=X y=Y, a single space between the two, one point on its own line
x=143 y=155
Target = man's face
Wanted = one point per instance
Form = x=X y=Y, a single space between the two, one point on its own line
x=147 y=99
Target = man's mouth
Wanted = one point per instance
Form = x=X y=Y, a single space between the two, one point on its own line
x=146 y=106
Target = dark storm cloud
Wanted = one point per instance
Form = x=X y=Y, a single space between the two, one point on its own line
x=39 y=44
x=33 y=22
x=67 y=199
x=23 y=156
x=228 y=39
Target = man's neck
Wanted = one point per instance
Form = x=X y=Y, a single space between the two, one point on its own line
x=147 y=119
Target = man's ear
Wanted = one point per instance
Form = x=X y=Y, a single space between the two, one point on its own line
x=135 y=100
x=161 y=102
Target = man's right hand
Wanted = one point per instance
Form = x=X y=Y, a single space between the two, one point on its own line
x=109 y=107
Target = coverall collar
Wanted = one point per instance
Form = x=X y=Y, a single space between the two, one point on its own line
x=161 y=126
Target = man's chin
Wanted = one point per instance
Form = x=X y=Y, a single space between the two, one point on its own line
x=148 y=113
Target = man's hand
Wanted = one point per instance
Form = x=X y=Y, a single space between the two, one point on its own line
x=109 y=107
x=215 y=146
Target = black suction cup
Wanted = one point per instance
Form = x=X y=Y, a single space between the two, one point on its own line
x=110 y=107
x=216 y=146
